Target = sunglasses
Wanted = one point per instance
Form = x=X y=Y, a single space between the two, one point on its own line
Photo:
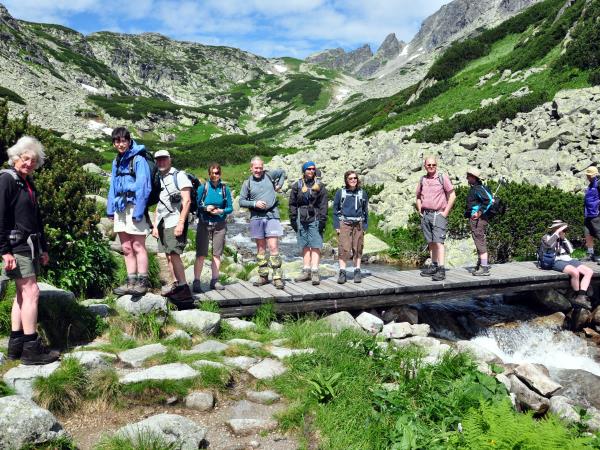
x=216 y=173
x=352 y=178
x=430 y=165
x=311 y=168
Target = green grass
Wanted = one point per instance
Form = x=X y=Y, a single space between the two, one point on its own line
x=142 y=441
x=292 y=63
x=6 y=390
x=209 y=305
x=64 y=389
x=198 y=133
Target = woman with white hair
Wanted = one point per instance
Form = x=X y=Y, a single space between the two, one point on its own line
x=23 y=247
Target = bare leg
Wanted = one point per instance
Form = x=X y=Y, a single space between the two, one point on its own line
x=574 y=274
x=177 y=267
x=342 y=264
x=306 y=257
x=215 y=266
x=15 y=315
x=198 y=266
x=30 y=294
x=589 y=241
x=141 y=255
x=261 y=246
x=128 y=255
x=587 y=273
x=440 y=253
x=273 y=243
x=315 y=258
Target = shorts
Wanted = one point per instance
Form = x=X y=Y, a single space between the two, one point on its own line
x=210 y=232
x=351 y=240
x=169 y=243
x=261 y=228
x=559 y=265
x=26 y=267
x=308 y=235
x=591 y=227
x=478 y=229
x=123 y=223
x=434 y=226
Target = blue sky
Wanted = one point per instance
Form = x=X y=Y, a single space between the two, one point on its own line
x=264 y=27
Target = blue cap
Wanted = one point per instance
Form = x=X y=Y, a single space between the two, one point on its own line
x=308 y=164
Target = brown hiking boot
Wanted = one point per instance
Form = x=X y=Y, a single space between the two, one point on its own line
x=278 y=283
x=35 y=353
x=141 y=286
x=315 y=278
x=261 y=281
x=168 y=289
x=180 y=293
x=304 y=276
x=482 y=271
x=125 y=289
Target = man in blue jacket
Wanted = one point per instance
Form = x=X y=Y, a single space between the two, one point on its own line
x=130 y=187
x=591 y=211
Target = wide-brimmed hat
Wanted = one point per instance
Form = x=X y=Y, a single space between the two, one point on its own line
x=162 y=154
x=557 y=224
x=591 y=171
x=474 y=171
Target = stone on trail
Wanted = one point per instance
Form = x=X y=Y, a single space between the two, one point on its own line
x=93 y=360
x=246 y=342
x=239 y=324
x=246 y=427
x=179 y=335
x=181 y=432
x=536 y=379
x=263 y=397
x=341 y=321
x=479 y=353
x=135 y=357
x=149 y=303
x=195 y=320
x=562 y=407
x=276 y=327
x=240 y=362
x=21 y=378
x=251 y=418
x=209 y=346
x=200 y=401
x=99 y=309
x=174 y=371
x=205 y=363
x=266 y=369
x=282 y=352
x=369 y=322
x=526 y=398
x=23 y=423
x=556 y=320
x=396 y=330
x=420 y=329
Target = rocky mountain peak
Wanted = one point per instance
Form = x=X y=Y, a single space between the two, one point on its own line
x=4 y=12
x=390 y=47
x=339 y=59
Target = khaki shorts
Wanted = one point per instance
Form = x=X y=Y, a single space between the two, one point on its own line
x=210 y=232
x=478 y=230
x=26 y=268
x=350 y=240
x=124 y=223
x=167 y=241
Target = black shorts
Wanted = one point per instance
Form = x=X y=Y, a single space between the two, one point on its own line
x=591 y=226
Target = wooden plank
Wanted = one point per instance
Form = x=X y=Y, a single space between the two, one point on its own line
x=244 y=295
x=342 y=289
x=309 y=288
x=279 y=295
x=297 y=293
x=264 y=296
x=380 y=286
x=332 y=289
x=221 y=299
x=392 y=279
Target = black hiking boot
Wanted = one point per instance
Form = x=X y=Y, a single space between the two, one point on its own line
x=429 y=270
x=168 y=289
x=341 y=277
x=590 y=257
x=483 y=271
x=15 y=347
x=141 y=286
x=357 y=276
x=581 y=301
x=35 y=353
x=440 y=274
x=181 y=293
x=261 y=281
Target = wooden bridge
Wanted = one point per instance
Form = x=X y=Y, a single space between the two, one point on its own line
x=388 y=288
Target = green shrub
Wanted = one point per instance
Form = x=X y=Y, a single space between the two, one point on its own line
x=61 y=443
x=10 y=95
x=6 y=390
x=457 y=57
x=264 y=315
x=584 y=50
x=144 y=440
x=146 y=326
x=209 y=305
x=305 y=87
x=594 y=78
x=104 y=385
x=63 y=389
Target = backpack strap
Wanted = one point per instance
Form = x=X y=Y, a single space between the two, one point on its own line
x=204 y=193
x=175 y=179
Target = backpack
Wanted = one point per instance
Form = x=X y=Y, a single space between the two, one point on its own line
x=205 y=193
x=361 y=198
x=251 y=177
x=154 y=176
x=546 y=257
x=195 y=185
x=18 y=180
x=497 y=207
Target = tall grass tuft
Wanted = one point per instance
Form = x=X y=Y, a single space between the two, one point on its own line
x=64 y=389
x=264 y=315
x=143 y=440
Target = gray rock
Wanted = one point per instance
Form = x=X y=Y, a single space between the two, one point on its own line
x=175 y=430
x=201 y=401
x=596 y=316
x=24 y=423
x=403 y=313
x=504 y=380
x=240 y=362
x=369 y=322
x=99 y=309
x=93 y=168
x=556 y=320
x=179 y=335
x=144 y=305
x=206 y=363
x=209 y=346
x=396 y=330
x=93 y=360
x=536 y=379
x=282 y=352
x=593 y=423
x=135 y=357
x=21 y=378
x=341 y=321
x=283 y=341
x=553 y=300
x=174 y=371
x=421 y=329
x=245 y=342
x=199 y=321
x=526 y=398
x=263 y=397
x=427 y=343
x=246 y=427
x=562 y=407
x=477 y=351
x=2 y=358
x=238 y=324
x=276 y=327
x=51 y=293
x=580 y=318
x=267 y=369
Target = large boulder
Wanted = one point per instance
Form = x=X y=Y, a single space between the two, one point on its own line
x=562 y=407
x=23 y=423
x=21 y=378
x=553 y=300
x=138 y=306
x=266 y=369
x=526 y=398
x=535 y=377
x=199 y=321
x=402 y=313
x=477 y=351
x=369 y=322
x=177 y=431
x=342 y=320
x=174 y=371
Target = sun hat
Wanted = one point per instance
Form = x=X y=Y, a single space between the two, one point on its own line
x=474 y=171
x=591 y=171
x=557 y=224
x=162 y=154
x=308 y=164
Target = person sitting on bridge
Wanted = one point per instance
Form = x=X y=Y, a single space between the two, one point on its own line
x=479 y=201
x=555 y=254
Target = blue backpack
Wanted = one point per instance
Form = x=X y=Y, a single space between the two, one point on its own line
x=546 y=257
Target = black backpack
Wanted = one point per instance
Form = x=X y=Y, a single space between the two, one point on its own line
x=195 y=185
x=154 y=176
x=498 y=206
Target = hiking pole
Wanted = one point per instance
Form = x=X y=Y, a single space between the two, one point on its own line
x=501 y=181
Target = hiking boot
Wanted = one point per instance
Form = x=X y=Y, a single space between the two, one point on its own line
x=197 y=287
x=35 y=353
x=168 y=289
x=483 y=271
x=261 y=281
x=215 y=284
x=124 y=289
x=181 y=292
x=592 y=258
x=314 y=277
x=440 y=274
x=15 y=347
x=141 y=286
x=582 y=301
x=278 y=283
x=357 y=276
x=341 y=277
x=304 y=276
x=429 y=271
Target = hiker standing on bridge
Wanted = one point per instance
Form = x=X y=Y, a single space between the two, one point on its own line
x=171 y=223
x=23 y=247
x=308 y=216
x=591 y=212
x=479 y=201
x=435 y=198
x=555 y=254
x=128 y=194
x=350 y=220
x=214 y=205
x=259 y=195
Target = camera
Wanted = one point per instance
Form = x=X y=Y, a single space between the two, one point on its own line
x=175 y=198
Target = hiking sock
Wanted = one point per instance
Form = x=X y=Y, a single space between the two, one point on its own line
x=590 y=251
x=181 y=283
x=141 y=275
x=484 y=262
x=30 y=337
x=131 y=278
x=306 y=268
x=16 y=334
x=581 y=292
x=434 y=264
